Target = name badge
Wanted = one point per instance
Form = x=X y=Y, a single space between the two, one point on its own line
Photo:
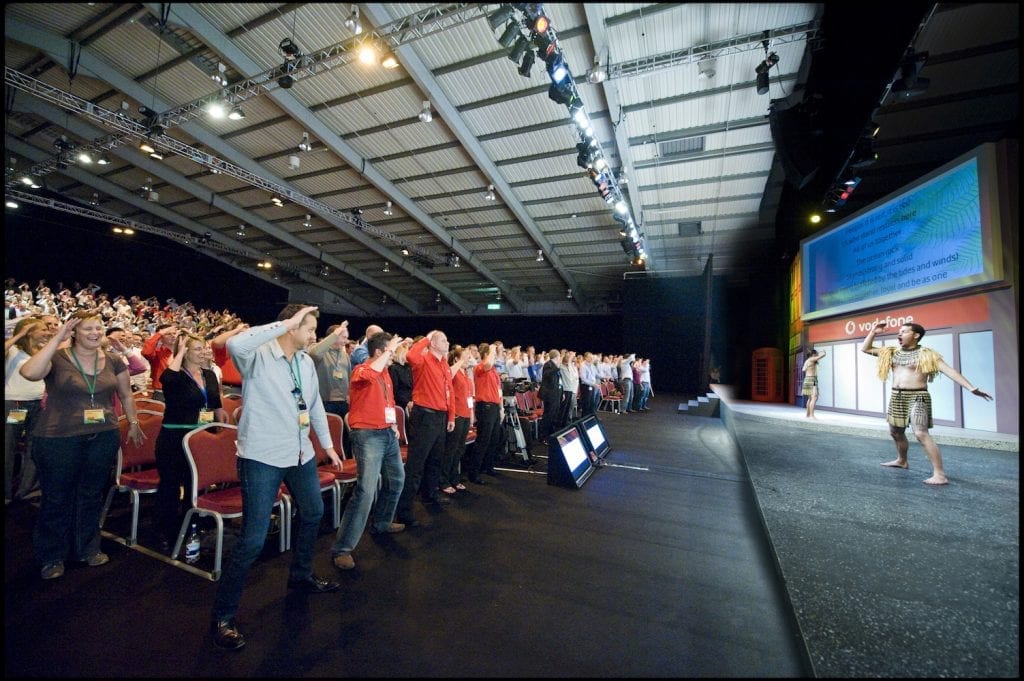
x=338 y=373
x=17 y=415
x=90 y=416
x=389 y=415
x=469 y=401
x=304 y=419
x=205 y=416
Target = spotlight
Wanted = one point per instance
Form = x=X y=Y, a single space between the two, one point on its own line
x=308 y=221
x=762 y=72
x=489 y=196
x=583 y=155
x=146 y=147
x=95 y=200
x=814 y=218
x=541 y=24
x=561 y=93
x=276 y=200
x=540 y=255
x=706 y=69
x=425 y=115
x=304 y=145
x=294 y=162
x=437 y=298
x=387 y=209
x=84 y=157
x=11 y=203
x=352 y=23
x=217 y=108
x=597 y=74
x=503 y=14
x=522 y=44
x=220 y=78
x=528 y=59
x=103 y=160
x=389 y=61
x=387 y=266
x=158 y=155
x=240 y=231
x=509 y=36
x=236 y=113
x=289 y=49
x=907 y=82
x=762 y=83
x=286 y=80
x=556 y=68
x=325 y=271
x=568 y=293
x=368 y=54
x=404 y=251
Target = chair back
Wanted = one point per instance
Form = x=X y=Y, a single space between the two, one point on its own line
x=144 y=455
x=400 y=422
x=335 y=424
x=212 y=455
x=231 y=402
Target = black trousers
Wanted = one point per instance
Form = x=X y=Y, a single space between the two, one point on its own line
x=488 y=430
x=427 y=434
x=552 y=412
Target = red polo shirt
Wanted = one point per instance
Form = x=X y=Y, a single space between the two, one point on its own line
x=431 y=378
x=370 y=392
x=488 y=384
x=462 y=388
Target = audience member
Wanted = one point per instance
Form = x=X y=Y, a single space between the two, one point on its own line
x=192 y=398
x=23 y=403
x=401 y=378
x=282 y=399
x=75 y=441
x=490 y=410
x=158 y=349
x=570 y=377
x=360 y=354
x=375 y=446
x=455 y=441
x=550 y=394
x=333 y=367
x=433 y=414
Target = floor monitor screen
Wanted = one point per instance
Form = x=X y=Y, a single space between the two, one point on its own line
x=569 y=461
x=594 y=430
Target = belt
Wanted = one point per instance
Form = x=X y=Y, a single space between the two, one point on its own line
x=488 y=404
x=432 y=411
x=910 y=390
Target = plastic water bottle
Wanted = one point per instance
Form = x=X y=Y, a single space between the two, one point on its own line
x=192 y=547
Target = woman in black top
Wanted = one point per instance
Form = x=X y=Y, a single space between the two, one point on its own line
x=192 y=398
x=401 y=378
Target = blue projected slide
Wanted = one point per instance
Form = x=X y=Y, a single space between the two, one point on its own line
x=927 y=240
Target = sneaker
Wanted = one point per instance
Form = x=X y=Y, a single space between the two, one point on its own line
x=97 y=559
x=52 y=570
x=344 y=561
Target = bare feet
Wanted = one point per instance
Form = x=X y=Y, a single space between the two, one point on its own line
x=937 y=480
x=896 y=464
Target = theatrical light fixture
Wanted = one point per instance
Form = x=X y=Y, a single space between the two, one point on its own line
x=368 y=54
x=568 y=293
x=509 y=35
x=352 y=23
x=437 y=298
x=527 y=66
x=503 y=14
x=907 y=81
x=325 y=271
x=540 y=255
x=425 y=115
x=404 y=251
x=236 y=113
x=95 y=200
x=220 y=78
x=103 y=160
x=217 y=108
x=762 y=72
x=304 y=145
x=387 y=209
x=489 y=196
x=158 y=155
x=541 y=24
x=286 y=81
x=294 y=162
x=389 y=61
x=872 y=129
x=814 y=218
x=240 y=231
x=289 y=49
x=308 y=222
x=263 y=265
x=146 y=147
x=556 y=67
x=84 y=157
x=387 y=266
x=11 y=203
x=277 y=201
x=706 y=68
x=597 y=74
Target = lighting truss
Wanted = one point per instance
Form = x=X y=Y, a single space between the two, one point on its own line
x=131 y=130
x=735 y=45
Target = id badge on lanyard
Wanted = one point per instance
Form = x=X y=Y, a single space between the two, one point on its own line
x=205 y=416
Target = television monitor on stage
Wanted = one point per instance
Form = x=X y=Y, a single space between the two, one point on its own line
x=594 y=431
x=569 y=457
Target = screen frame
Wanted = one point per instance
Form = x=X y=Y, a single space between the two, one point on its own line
x=591 y=420
x=556 y=447
x=991 y=240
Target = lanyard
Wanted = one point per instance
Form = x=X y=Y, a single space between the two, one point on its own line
x=95 y=366
x=201 y=384
x=388 y=400
x=296 y=379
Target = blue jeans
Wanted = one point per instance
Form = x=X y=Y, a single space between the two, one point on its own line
x=645 y=394
x=626 y=385
x=379 y=460
x=74 y=475
x=13 y=434
x=260 y=483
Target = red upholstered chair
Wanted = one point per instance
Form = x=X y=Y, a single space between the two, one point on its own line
x=331 y=479
x=527 y=414
x=136 y=472
x=148 y=403
x=211 y=453
x=610 y=399
x=403 y=438
x=231 y=402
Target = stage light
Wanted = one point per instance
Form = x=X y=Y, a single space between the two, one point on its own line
x=583 y=155
x=240 y=231
x=556 y=67
x=304 y=144
x=11 y=203
x=503 y=14
x=308 y=222
x=597 y=74
x=389 y=61
x=220 y=78
x=217 y=108
x=706 y=68
x=103 y=160
x=156 y=155
x=907 y=81
x=387 y=266
x=404 y=251
x=527 y=66
x=286 y=81
x=387 y=209
x=367 y=54
x=425 y=115
x=561 y=93
x=522 y=44
x=762 y=72
x=762 y=83
x=489 y=196
x=815 y=218
x=146 y=147
x=289 y=49
x=540 y=255
x=509 y=35
x=236 y=113
x=568 y=293
x=541 y=24
x=352 y=23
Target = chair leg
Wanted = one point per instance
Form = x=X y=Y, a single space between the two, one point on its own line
x=218 y=553
x=136 y=503
x=106 y=505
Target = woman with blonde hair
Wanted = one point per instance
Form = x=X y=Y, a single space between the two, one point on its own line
x=23 y=401
x=75 y=440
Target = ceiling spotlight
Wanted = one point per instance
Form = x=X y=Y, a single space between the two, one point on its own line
x=387 y=266
x=425 y=115
x=489 y=196
x=437 y=298
x=541 y=24
x=325 y=271
x=387 y=209
x=455 y=261
x=540 y=255
x=503 y=14
x=103 y=160
x=762 y=72
x=368 y=53
x=289 y=49
x=84 y=157
x=220 y=78
x=405 y=251
x=158 y=155
x=304 y=145
x=277 y=201
x=95 y=200
x=389 y=61
x=520 y=48
x=11 y=203
x=308 y=221
x=597 y=74
x=240 y=231
x=527 y=66
x=236 y=113
x=509 y=35
x=146 y=147
x=706 y=68
x=568 y=293
x=294 y=162
x=352 y=23
x=217 y=108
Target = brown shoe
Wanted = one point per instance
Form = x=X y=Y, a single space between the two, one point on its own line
x=344 y=561
x=393 y=528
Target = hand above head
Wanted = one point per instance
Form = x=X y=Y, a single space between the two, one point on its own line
x=64 y=332
x=301 y=314
x=879 y=327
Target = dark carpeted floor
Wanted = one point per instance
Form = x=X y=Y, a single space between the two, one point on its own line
x=658 y=566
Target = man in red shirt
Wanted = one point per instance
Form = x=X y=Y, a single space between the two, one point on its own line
x=432 y=417
x=158 y=349
x=490 y=411
x=229 y=372
x=374 y=437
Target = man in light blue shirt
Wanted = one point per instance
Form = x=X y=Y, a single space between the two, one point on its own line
x=281 y=398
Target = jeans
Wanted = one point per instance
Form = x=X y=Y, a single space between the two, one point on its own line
x=427 y=431
x=74 y=474
x=260 y=483
x=380 y=461
x=627 y=393
x=13 y=433
x=645 y=394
